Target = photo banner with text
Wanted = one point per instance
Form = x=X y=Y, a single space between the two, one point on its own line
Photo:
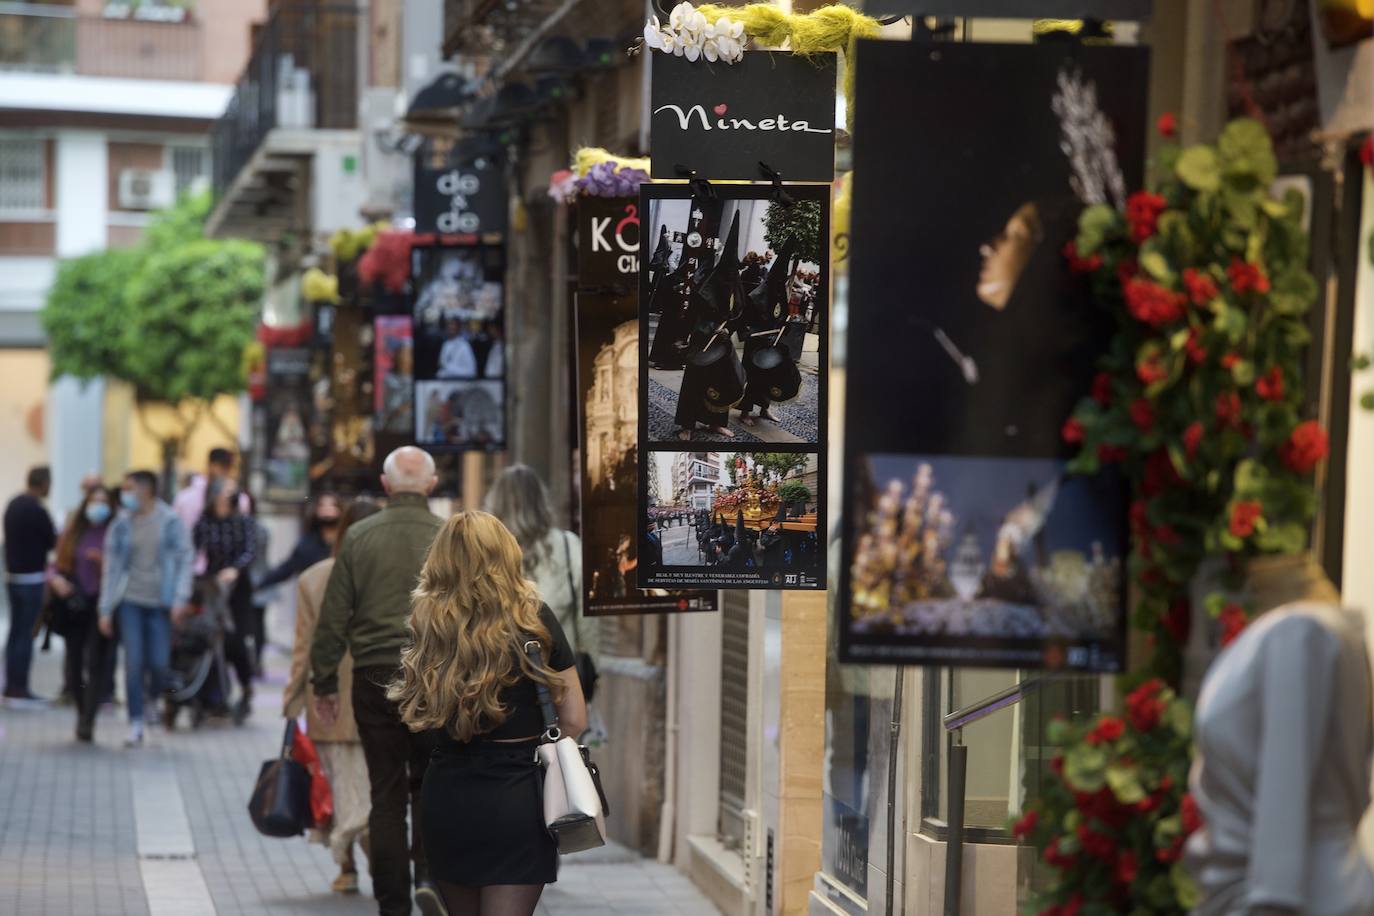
x=966 y=541
x=733 y=342
x=608 y=243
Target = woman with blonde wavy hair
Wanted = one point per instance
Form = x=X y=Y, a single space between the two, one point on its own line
x=465 y=674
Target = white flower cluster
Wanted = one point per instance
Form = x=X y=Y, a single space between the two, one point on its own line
x=689 y=35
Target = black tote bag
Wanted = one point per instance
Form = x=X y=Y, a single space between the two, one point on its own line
x=280 y=806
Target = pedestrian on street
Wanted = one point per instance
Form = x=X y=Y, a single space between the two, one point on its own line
x=465 y=673
x=190 y=499
x=262 y=539
x=145 y=583
x=341 y=752
x=365 y=610
x=316 y=544
x=29 y=537
x=552 y=556
x=75 y=579
x=226 y=538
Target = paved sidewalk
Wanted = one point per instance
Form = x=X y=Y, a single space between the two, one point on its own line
x=163 y=831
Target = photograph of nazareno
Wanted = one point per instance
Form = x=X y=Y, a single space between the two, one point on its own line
x=459 y=313
x=734 y=315
x=460 y=415
x=994 y=559
x=607 y=378
x=731 y=520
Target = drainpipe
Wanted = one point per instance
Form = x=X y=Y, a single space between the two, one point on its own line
x=667 y=815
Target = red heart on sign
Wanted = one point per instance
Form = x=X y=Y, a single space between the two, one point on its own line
x=721 y=109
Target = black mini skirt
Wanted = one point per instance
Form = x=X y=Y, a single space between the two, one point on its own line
x=482 y=815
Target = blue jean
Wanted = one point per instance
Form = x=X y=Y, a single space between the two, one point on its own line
x=147 y=636
x=25 y=603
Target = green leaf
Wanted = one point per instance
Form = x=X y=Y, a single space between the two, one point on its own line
x=1185 y=889
x=1232 y=322
x=1293 y=291
x=1199 y=169
x=1155 y=264
x=1179 y=718
x=1243 y=372
x=1360 y=362
x=1093 y=225
x=1286 y=538
x=1125 y=783
x=1085 y=768
x=1367 y=401
x=1275 y=208
x=1246 y=151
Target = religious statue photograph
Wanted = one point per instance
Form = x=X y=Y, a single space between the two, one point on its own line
x=733 y=314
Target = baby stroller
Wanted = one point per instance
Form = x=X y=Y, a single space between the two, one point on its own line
x=198 y=671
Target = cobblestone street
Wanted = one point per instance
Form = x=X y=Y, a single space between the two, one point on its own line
x=97 y=829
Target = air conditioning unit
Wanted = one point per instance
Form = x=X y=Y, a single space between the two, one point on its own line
x=146 y=189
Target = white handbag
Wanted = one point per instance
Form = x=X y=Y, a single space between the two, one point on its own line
x=574 y=804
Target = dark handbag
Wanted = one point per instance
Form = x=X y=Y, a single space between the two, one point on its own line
x=280 y=806
x=586 y=667
x=64 y=616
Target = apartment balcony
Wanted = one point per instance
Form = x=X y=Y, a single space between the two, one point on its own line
x=296 y=100
x=43 y=38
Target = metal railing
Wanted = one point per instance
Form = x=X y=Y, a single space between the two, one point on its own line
x=39 y=38
x=303 y=73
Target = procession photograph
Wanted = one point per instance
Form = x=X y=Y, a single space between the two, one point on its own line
x=733 y=307
x=992 y=559
x=731 y=519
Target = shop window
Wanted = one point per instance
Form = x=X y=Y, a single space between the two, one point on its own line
x=22 y=174
x=734 y=703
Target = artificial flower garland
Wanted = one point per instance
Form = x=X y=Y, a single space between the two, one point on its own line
x=689 y=34
x=1199 y=402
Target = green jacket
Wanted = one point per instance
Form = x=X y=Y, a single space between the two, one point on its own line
x=367 y=602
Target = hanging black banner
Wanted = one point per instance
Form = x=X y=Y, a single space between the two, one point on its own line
x=971 y=340
x=608 y=242
x=465 y=195
x=721 y=120
x=1101 y=10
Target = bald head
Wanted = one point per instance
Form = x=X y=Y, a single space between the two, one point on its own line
x=409 y=470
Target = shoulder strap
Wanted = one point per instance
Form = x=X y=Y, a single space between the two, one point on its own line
x=572 y=590
x=547 y=709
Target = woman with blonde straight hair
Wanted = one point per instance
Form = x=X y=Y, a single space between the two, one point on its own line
x=466 y=674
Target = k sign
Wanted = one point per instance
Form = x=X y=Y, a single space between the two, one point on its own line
x=466 y=196
x=607 y=242
x=721 y=120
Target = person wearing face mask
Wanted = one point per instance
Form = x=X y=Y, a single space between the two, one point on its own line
x=75 y=579
x=316 y=544
x=146 y=581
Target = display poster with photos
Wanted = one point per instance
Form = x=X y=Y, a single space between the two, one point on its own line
x=287 y=459
x=721 y=121
x=459 y=351
x=393 y=361
x=966 y=542
x=607 y=379
x=733 y=326
x=608 y=243
x=342 y=434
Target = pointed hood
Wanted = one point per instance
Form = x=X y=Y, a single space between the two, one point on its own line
x=717 y=283
x=662 y=252
x=771 y=290
x=739 y=524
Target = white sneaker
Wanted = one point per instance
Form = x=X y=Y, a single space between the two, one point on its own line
x=135 y=738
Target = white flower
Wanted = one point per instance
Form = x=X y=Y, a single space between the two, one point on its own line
x=692 y=51
x=679 y=15
x=653 y=34
x=708 y=50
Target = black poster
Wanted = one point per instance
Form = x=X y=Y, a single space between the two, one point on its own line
x=288 y=410
x=1101 y=10
x=608 y=242
x=462 y=194
x=459 y=349
x=970 y=341
x=608 y=382
x=733 y=328
x=721 y=120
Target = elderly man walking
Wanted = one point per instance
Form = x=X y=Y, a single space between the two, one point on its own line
x=365 y=610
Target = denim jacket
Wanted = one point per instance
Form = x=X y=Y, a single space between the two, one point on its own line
x=175 y=556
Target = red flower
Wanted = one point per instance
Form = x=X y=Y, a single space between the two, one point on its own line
x=1026 y=825
x=1144 y=707
x=1072 y=431
x=1126 y=870
x=1167 y=125
x=1178 y=620
x=1233 y=620
x=1147 y=804
x=1306 y=446
x=1229 y=360
x=1151 y=369
x=1269 y=386
x=1228 y=408
x=1108 y=454
x=1192 y=438
x=1142 y=214
x=1244 y=515
x=1080 y=265
x=1139 y=517
x=1102 y=388
x=1109 y=728
x=1073 y=906
x=1151 y=576
x=1160 y=474
x=1054 y=857
x=1171 y=852
x=1098 y=845
x=1125 y=270
x=1192 y=818
x=1142 y=415
x=1367 y=151
x=1153 y=304
x=1057 y=764
x=1201 y=288
x=1246 y=277
x=1166 y=536
x=1197 y=353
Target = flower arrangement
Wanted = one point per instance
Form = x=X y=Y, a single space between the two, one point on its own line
x=347 y=244
x=610 y=179
x=318 y=286
x=1199 y=402
x=691 y=35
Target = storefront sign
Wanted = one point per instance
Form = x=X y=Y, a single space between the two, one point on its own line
x=717 y=369
x=607 y=242
x=607 y=382
x=721 y=121
x=966 y=541
x=466 y=196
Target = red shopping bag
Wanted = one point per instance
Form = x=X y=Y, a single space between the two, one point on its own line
x=321 y=796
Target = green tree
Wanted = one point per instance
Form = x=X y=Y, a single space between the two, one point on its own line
x=801 y=222
x=776 y=466
x=170 y=315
